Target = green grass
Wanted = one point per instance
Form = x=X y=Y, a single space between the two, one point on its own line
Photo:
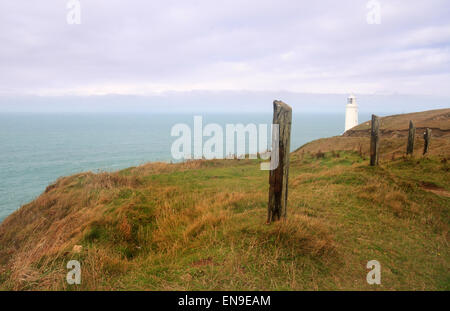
x=177 y=227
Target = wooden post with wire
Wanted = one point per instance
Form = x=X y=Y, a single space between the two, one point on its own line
x=411 y=136
x=374 y=140
x=427 y=138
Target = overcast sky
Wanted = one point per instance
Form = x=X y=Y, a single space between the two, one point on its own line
x=153 y=48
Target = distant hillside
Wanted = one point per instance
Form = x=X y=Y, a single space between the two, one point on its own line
x=393 y=131
x=437 y=120
x=200 y=225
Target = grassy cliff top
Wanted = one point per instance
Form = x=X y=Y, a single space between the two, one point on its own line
x=394 y=132
x=435 y=119
x=201 y=225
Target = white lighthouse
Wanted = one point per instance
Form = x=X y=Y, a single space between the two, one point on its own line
x=351 y=113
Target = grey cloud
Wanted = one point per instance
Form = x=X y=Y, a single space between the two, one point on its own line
x=140 y=47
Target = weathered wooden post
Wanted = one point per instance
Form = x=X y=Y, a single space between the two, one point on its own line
x=278 y=176
x=411 y=136
x=374 y=140
x=427 y=138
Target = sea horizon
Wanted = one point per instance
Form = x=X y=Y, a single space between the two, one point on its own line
x=39 y=148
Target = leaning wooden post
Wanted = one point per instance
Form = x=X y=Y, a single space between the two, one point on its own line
x=411 y=136
x=278 y=176
x=427 y=138
x=374 y=140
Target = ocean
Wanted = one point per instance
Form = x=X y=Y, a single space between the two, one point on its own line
x=36 y=149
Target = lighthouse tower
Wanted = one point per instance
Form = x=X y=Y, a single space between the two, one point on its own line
x=351 y=113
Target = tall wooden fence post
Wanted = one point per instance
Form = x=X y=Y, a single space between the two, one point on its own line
x=278 y=177
x=411 y=136
x=374 y=140
x=427 y=138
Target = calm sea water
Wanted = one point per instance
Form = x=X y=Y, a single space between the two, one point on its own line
x=36 y=149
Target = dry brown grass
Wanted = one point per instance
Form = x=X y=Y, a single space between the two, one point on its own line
x=437 y=120
x=201 y=224
x=393 y=132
